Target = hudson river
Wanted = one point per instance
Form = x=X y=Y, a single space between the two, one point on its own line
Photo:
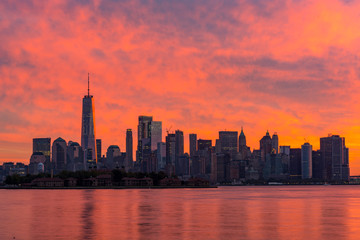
x=273 y=212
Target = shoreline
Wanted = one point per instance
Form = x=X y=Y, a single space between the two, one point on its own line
x=167 y=187
x=106 y=187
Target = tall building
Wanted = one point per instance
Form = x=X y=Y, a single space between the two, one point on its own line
x=161 y=156
x=179 y=139
x=42 y=145
x=75 y=157
x=149 y=134
x=204 y=144
x=228 y=142
x=192 y=144
x=265 y=146
x=98 y=149
x=335 y=157
x=306 y=161
x=129 y=149
x=244 y=150
x=318 y=165
x=143 y=136
x=170 y=153
x=275 y=142
x=59 y=154
x=179 y=149
x=88 y=129
x=204 y=153
x=155 y=134
x=295 y=163
x=285 y=150
x=242 y=139
x=113 y=156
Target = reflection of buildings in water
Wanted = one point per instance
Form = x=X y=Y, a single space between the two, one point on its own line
x=334 y=216
x=87 y=215
x=146 y=214
x=158 y=217
x=231 y=218
x=269 y=223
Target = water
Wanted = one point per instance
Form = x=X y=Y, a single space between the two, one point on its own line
x=273 y=212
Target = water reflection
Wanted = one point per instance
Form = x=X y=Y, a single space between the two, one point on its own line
x=87 y=216
x=331 y=212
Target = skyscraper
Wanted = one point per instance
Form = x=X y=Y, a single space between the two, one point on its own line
x=88 y=129
x=192 y=144
x=113 y=155
x=170 y=154
x=98 y=149
x=161 y=156
x=295 y=163
x=143 y=137
x=59 y=154
x=129 y=149
x=42 y=145
x=242 y=139
x=228 y=142
x=179 y=149
x=265 y=146
x=155 y=134
x=306 y=161
x=275 y=142
x=149 y=134
x=335 y=158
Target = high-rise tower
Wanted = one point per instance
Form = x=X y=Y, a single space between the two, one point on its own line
x=129 y=149
x=88 y=129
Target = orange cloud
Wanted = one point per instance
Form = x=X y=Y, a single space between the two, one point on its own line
x=200 y=66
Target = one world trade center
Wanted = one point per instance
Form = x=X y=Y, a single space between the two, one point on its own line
x=88 y=130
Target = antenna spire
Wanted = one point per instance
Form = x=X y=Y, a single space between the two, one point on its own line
x=88 y=84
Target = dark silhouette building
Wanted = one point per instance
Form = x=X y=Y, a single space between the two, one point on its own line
x=318 y=165
x=265 y=146
x=98 y=149
x=149 y=134
x=295 y=163
x=88 y=129
x=129 y=149
x=192 y=144
x=179 y=150
x=43 y=145
x=59 y=154
x=275 y=142
x=170 y=154
x=335 y=157
x=228 y=142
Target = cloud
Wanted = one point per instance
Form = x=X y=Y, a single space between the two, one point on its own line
x=200 y=66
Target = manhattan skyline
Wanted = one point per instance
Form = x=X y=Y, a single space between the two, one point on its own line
x=200 y=67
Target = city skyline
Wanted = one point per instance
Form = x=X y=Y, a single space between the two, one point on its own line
x=192 y=72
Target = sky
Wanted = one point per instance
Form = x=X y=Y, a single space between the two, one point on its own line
x=290 y=67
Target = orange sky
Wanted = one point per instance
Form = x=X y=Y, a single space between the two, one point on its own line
x=200 y=66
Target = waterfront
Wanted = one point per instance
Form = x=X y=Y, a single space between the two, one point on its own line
x=259 y=212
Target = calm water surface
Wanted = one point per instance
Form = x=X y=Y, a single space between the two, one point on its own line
x=281 y=212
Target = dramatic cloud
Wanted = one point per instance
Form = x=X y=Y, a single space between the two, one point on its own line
x=199 y=66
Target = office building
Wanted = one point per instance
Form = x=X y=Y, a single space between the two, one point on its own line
x=59 y=148
x=98 y=149
x=129 y=149
x=192 y=144
x=275 y=143
x=88 y=129
x=306 y=161
x=265 y=146
x=335 y=158
x=42 y=145
x=228 y=141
